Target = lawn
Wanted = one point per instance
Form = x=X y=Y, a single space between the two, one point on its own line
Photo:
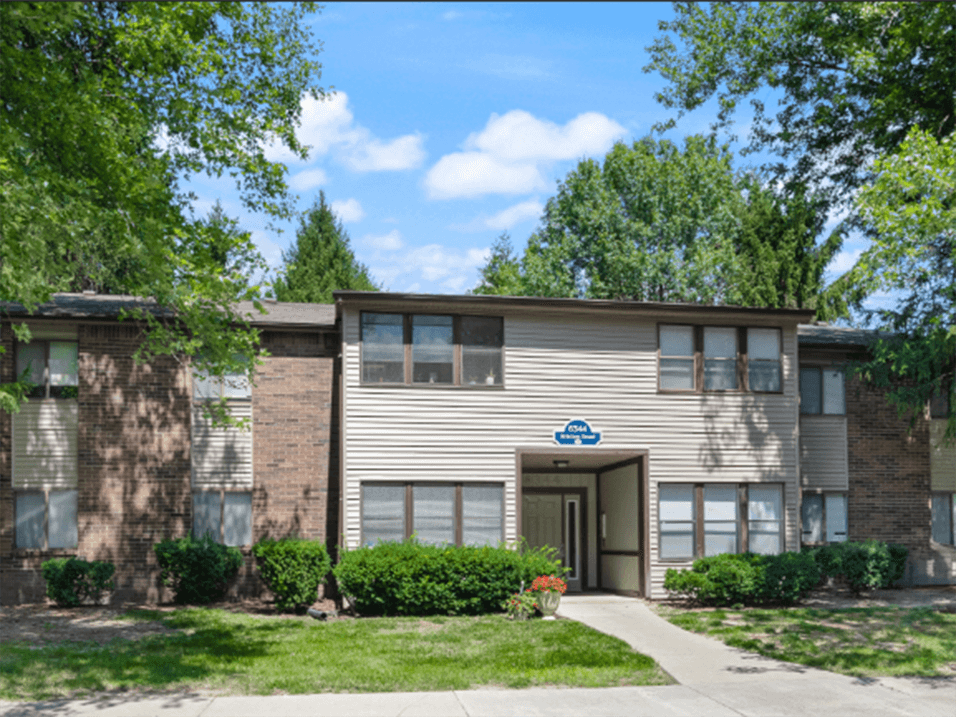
x=864 y=642
x=242 y=654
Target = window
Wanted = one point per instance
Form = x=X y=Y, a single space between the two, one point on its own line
x=422 y=349
x=51 y=366
x=822 y=390
x=824 y=517
x=703 y=520
x=210 y=387
x=46 y=519
x=436 y=513
x=225 y=515
x=944 y=518
x=719 y=358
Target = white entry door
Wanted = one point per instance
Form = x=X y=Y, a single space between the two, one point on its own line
x=554 y=520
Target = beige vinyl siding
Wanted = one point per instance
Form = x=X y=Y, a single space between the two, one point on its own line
x=823 y=452
x=942 y=459
x=45 y=444
x=601 y=368
x=221 y=457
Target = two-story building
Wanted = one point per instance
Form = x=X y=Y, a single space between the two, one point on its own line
x=632 y=436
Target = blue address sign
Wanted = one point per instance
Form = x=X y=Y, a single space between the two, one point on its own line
x=577 y=433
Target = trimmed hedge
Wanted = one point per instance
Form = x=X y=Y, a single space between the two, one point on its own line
x=198 y=571
x=750 y=579
x=70 y=581
x=412 y=578
x=293 y=569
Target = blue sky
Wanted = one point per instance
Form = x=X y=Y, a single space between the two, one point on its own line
x=451 y=123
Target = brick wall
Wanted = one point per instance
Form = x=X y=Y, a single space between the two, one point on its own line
x=889 y=479
x=134 y=458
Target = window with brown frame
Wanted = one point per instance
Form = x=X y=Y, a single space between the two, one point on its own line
x=432 y=349
x=699 y=520
x=822 y=391
x=50 y=367
x=719 y=358
x=225 y=515
x=824 y=517
x=435 y=513
x=944 y=518
x=45 y=519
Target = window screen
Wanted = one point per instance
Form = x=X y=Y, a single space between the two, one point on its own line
x=720 y=358
x=30 y=517
x=383 y=348
x=206 y=513
x=811 y=514
x=836 y=518
x=720 y=519
x=677 y=521
x=433 y=349
x=433 y=513
x=383 y=513
x=833 y=392
x=62 y=519
x=942 y=518
x=765 y=519
x=237 y=519
x=763 y=359
x=481 y=514
x=677 y=357
x=481 y=342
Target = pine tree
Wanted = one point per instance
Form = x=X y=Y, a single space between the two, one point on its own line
x=321 y=260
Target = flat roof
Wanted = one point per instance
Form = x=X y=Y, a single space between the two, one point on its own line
x=529 y=302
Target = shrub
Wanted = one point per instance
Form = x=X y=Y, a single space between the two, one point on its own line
x=864 y=565
x=411 y=578
x=70 y=581
x=293 y=570
x=787 y=577
x=198 y=571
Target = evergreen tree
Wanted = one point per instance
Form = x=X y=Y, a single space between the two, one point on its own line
x=321 y=260
x=501 y=276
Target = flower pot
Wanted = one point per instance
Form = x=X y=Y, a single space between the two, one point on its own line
x=548 y=603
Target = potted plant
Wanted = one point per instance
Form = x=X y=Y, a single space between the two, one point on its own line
x=521 y=605
x=548 y=590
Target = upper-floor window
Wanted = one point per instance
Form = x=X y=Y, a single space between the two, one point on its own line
x=822 y=391
x=720 y=358
x=51 y=368
x=437 y=349
x=211 y=387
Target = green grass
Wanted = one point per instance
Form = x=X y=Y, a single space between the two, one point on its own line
x=864 y=642
x=240 y=654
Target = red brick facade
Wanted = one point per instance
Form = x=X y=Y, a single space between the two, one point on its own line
x=134 y=471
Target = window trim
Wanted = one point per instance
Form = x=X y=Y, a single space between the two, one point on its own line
x=457 y=380
x=742 y=361
x=221 y=387
x=823 y=493
x=950 y=497
x=819 y=368
x=743 y=517
x=408 y=498
x=221 y=492
x=45 y=492
x=46 y=366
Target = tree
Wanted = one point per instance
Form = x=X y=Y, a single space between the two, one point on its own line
x=655 y=222
x=854 y=78
x=104 y=109
x=321 y=260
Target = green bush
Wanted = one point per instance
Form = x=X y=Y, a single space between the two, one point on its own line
x=787 y=577
x=293 y=570
x=411 y=578
x=198 y=571
x=70 y=581
x=864 y=565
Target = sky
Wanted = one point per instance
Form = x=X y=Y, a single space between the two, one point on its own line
x=452 y=123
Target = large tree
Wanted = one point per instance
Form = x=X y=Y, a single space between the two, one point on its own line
x=105 y=108
x=866 y=97
x=321 y=260
x=657 y=222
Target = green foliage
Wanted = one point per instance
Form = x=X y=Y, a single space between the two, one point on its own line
x=71 y=581
x=864 y=565
x=321 y=260
x=293 y=569
x=853 y=78
x=198 y=571
x=104 y=109
x=746 y=579
x=501 y=276
x=412 y=578
x=521 y=605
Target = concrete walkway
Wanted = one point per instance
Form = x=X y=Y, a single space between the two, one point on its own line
x=716 y=681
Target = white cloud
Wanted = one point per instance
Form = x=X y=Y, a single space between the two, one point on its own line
x=309 y=179
x=843 y=262
x=508 y=155
x=430 y=263
x=348 y=210
x=270 y=251
x=515 y=215
x=328 y=126
x=452 y=15
x=385 y=242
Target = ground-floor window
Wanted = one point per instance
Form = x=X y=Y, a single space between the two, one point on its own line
x=944 y=518
x=225 y=515
x=436 y=513
x=823 y=516
x=699 y=520
x=45 y=519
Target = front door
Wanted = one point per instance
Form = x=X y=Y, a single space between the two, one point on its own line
x=554 y=519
